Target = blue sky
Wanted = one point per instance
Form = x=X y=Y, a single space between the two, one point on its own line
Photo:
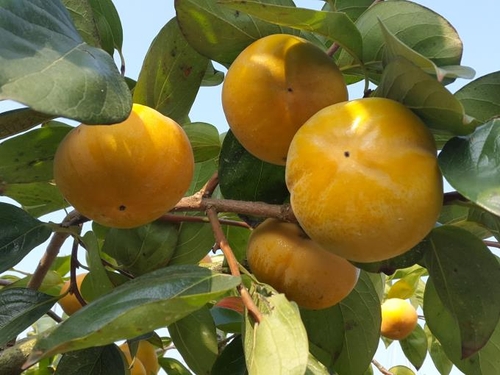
x=476 y=23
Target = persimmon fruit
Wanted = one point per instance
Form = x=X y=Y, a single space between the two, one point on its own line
x=127 y=174
x=364 y=179
x=146 y=354
x=399 y=319
x=282 y=255
x=69 y=303
x=273 y=87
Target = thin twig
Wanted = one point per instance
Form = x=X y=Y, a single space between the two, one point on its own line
x=172 y=218
x=381 y=368
x=56 y=318
x=492 y=244
x=74 y=264
x=222 y=243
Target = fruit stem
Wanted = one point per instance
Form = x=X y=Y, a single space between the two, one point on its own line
x=381 y=368
x=223 y=245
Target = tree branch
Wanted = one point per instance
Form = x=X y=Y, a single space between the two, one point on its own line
x=13 y=358
x=381 y=368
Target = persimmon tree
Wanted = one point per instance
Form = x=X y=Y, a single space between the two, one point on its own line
x=57 y=59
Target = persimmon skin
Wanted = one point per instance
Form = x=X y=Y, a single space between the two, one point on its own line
x=127 y=174
x=364 y=179
x=273 y=87
x=146 y=354
x=69 y=303
x=399 y=319
x=281 y=255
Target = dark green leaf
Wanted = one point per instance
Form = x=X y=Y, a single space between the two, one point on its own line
x=231 y=360
x=202 y=172
x=146 y=303
x=470 y=164
x=445 y=328
x=481 y=97
x=173 y=367
x=471 y=218
x=78 y=81
x=171 y=74
x=353 y=8
x=212 y=76
x=196 y=340
x=221 y=33
x=29 y=157
x=237 y=237
x=430 y=100
x=242 y=176
x=489 y=222
x=83 y=19
x=204 y=140
x=21 y=307
x=417 y=27
x=438 y=356
x=19 y=234
x=415 y=347
x=194 y=242
x=92 y=361
x=336 y=26
x=466 y=276
x=142 y=249
x=278 y=344
x=18 y=120
x=350 y=329
x=108 y=24
x=227 y=320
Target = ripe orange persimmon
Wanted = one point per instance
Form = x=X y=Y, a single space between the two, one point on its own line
x=69 y=303
x=273 y=87
x=399 y=319
x=280 y=254
x=364 y=179
x=146 y=355
x=127 y=174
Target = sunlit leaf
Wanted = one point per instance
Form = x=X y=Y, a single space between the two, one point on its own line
x=79 y=81
x=173 y=366
x=143 y=304
x=353 y=8
x=470 y=164
x=204 y=139
x=415 y=347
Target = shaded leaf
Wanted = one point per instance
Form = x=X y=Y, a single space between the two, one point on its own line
x=221 y=33
x=445 y=328
x=470 y=217
x=171 y=74
x=195 y=338
x=92 y=361
x=204 y=139
x=194 y=242
x=466 y=276
x=438 y=356
x=18 y=120
x=143 y=304
x=231 y=360
x=481 y=97
x=415 y=347
x=108 y=25
x=212 y=77
x=471 y=163
x=83 y=18
x=336 y=26
x=226 y=319
x=173 y=366
x=142 y=249
x=353 y=8
x=404 y=82
x=21 y=307
x=47 y=41
x=350 y=329
x=278 y=344
x=20 y=234
x=237 y=238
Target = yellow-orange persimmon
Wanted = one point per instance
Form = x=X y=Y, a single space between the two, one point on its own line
x=127 y=174
x=273 y=87
x=69 y=303
x=282 y=255
x=364 y=179
x=399 y=318
x=146 y=354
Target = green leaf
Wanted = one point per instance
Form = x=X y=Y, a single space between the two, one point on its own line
x=438 y=356
x=227 y=320
x=350 y=329
x=489 y=222
x=212 y=77
x=220 y=33
x=481 y=97
x=40 y=48
x=445 y=328
x=51 y=283
x=173 y=367
x=278 y=344
x=237 y=238
x=202 y=172
x=470 y=165
x=315 y=367
x=83 y=19
x=195 y=338
x=231 y=360
x=21 y=307
x=142 y=249
x=419 y=28
x=92 y=361
x=19 y=120
x=466 y=276
x=194 y=242
x=404 y=82
x=242 y=176
x=353 y=8
x=204 y=140
x=171 y=74
x=20 y=234
x=108 y=25
x=336 y=26
x=415 y=347
x=146 y=303
x=401 y=370
x=470 y=217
